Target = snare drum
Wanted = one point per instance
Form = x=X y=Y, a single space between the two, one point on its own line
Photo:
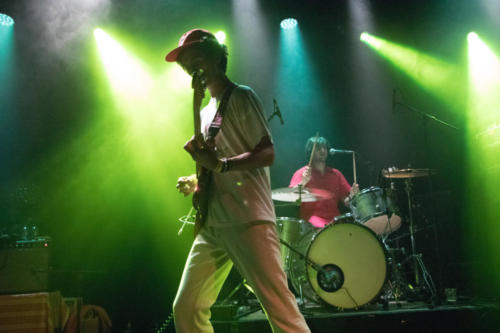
x=352 y=261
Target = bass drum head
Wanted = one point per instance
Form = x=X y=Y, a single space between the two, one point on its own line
x=357 y=260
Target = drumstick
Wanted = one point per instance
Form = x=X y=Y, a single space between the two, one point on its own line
x=354 y=167
x=313 y=150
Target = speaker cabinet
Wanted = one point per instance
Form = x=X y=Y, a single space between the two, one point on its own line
x=24 y=269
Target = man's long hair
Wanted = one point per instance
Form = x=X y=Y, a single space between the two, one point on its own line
x=320 y=141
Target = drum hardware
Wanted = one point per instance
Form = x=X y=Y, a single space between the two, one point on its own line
x=396 y=286
x=373 y=208
x=330 y=277
x=395 y=173
x=408 y=190
x=428 y=282
x=317 y=267
x=290 y=204
x=342 y=265
x=419 y=270
x=420 y=273
x=244 y=304
x=299 y=194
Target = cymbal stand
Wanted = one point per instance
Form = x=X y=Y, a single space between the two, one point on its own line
x=417 y=258
x=408 y=188
x=395 y=283
x=389 y=212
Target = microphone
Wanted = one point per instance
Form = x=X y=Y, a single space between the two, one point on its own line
x=277 y=111
x=333 y=151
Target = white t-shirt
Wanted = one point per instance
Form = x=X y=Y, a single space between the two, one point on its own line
x=239 y=196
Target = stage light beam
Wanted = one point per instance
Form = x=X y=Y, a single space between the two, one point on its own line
x=124 y=72
x=436 y=76
x=288 y=23
x=6 y=20
x=483 y=156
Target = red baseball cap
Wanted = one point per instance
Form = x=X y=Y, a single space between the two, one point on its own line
x=188 y=39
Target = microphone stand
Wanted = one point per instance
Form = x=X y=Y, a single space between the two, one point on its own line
x=426 y=115
x=354 y=167
x=418 y=260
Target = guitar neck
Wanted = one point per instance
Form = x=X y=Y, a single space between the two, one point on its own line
x=197 y=126
x=196 y=115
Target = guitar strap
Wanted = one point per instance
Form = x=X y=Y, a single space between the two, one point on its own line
x=216 y=124
x=200 y=202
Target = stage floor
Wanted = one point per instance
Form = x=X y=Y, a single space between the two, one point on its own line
x=462 y=316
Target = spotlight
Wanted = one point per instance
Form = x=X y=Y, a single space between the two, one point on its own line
x=221 y=36
x=472 y=36
x=6 y=20
x=288 y=23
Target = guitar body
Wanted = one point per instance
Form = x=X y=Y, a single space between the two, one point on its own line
x=200 y=197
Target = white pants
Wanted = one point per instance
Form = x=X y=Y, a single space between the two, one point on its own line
x=254 y=249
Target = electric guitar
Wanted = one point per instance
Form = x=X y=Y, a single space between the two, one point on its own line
x=203 y=176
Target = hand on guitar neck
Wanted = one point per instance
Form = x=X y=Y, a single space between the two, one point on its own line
x=201 y=151
x=196 y=146
x=198 y=84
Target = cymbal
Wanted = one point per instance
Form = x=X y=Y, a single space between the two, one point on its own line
x=407 y=173
x=293 y=194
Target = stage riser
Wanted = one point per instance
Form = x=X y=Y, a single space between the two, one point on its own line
x=470 y=320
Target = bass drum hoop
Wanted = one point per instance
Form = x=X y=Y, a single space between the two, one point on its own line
x=347 y=300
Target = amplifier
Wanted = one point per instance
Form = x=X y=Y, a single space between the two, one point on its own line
x=24 y=266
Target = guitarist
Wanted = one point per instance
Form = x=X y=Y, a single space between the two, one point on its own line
x=239 y=222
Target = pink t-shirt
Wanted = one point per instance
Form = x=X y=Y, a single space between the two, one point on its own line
x=320 y=213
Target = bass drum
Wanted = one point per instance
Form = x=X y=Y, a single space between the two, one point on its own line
x=350 y=266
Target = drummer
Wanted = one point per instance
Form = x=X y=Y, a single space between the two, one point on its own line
x=317 y=176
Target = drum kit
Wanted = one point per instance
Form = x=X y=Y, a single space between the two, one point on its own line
x=349 y=262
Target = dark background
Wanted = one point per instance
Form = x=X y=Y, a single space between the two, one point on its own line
x=51 y=98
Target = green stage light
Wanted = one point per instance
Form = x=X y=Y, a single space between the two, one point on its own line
x=483 y=157
x=484 y=68
x=288 y=23
x=472 y=37
x=484 y=89
x=436 y=76
x=6 y=20
x=125 y=73
x=221 y=36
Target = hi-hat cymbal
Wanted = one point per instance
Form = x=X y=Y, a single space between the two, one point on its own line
x=304 y=194
x=407 y=173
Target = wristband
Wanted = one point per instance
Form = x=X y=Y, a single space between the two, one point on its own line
x=226 y=165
